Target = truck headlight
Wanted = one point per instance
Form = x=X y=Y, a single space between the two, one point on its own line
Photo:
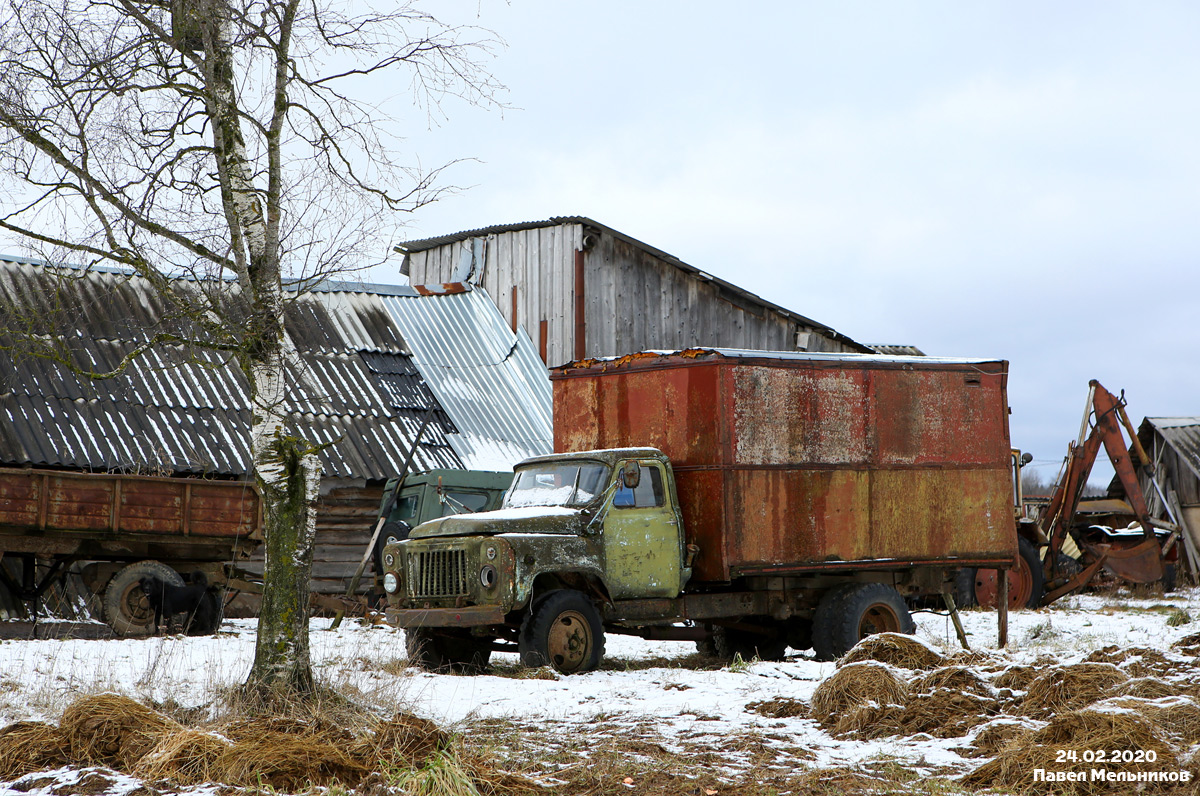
x=487 y=576
x=391 y=583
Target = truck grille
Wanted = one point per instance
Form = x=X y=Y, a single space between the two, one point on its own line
x=438 y=573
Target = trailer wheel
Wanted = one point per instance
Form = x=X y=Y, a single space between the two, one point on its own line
x=446 y=651
x=126 y=609
x=862 y=610
x=562 y=630
x=1026 y=583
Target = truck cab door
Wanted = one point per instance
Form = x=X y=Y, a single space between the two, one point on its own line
x=643 y=538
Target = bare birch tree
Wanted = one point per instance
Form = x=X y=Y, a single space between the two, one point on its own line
x=220 y=140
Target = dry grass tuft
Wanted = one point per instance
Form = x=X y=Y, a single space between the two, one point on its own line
x=404 y=739
x=29 y=746
x=1079 y=730
x=186 y=758
x=856 y=684
x=1071 y=687
x=113 y=730
x=779 y=708
x=287 y=762
x=954 y=678
x=997 y=735
x=896 y=649
x=1016 y=677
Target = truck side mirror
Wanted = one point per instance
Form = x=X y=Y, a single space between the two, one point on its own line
x=1026 y=458
x=631 y=474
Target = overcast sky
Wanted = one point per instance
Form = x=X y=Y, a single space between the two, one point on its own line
x=1011 y=180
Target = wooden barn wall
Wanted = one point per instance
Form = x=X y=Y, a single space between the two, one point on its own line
x=345 y=517
x=633 y=300
x=636 y=301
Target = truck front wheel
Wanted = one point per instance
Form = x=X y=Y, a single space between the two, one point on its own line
x=851 y=613
x=562 y=630
x=446 y=651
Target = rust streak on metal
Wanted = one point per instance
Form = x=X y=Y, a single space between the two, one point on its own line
x=580 y=307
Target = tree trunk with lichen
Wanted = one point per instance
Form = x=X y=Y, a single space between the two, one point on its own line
x=288 y=475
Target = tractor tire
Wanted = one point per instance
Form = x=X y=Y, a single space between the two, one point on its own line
x=562 y=630
x=446 y=651
x=863 y=610
x=126 y=609
x=1026 y=583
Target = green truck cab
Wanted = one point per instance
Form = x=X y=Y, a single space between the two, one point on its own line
x=432 y=494
x=575 y=531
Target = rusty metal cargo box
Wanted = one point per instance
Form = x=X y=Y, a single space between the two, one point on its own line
x=793 y=462
x=56 y=511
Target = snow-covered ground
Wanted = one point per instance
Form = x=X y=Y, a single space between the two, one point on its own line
x=641 y=683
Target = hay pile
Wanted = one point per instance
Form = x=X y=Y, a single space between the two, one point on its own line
x=285 y=753
x=1134 y=661
x=954 y=678
x=29 y=746
x=1065 y=688
x=997 y=734
x=870 y=720
x=1080 y=730
x=854 y=685
x=1178 y=716
x=946 y=713
x=189 y=757
x=1016 y=677
x=895 y=649
x=113 y=730
x=779 y=708
x=1148 y=688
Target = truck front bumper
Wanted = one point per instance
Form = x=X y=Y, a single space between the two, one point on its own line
x=473 y=616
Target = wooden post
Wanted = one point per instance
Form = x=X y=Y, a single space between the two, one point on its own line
x=958 y=628
x=1002 y=606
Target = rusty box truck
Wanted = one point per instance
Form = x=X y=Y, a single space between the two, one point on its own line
x=749 y=500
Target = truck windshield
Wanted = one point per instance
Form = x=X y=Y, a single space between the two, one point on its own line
x=565 y=484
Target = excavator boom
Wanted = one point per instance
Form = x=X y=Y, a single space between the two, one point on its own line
x=1141 y=563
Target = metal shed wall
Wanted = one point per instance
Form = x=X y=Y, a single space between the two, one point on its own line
x=529 y=273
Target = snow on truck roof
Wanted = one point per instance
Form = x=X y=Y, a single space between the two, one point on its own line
x=802 y=356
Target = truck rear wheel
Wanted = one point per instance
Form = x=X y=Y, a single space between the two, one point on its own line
x=446 y=651
x=126 y=609
x=850 y=613
x=562 y=630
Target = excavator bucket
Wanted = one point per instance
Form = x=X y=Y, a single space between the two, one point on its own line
x=1139 y=563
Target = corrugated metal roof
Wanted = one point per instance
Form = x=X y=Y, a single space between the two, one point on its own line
x=1183 y=435
x=897 y=350
x=185 y=410
x=743 y=294
x=487 y=377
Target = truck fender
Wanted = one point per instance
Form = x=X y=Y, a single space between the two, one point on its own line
x=587 y=581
